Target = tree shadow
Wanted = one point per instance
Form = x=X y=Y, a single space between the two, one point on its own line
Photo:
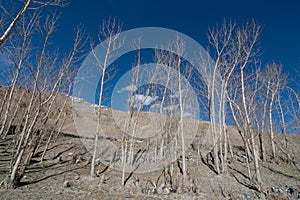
x=250 y=186
x=45 y=167
x=209 y=163
x=62 y=152
x=244 y=183
x=38 y=154
x=24 y=183
x=281 y=173
x=239 y=172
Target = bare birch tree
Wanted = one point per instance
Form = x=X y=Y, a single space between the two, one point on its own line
x=109 y=36
x=241 y=95
x=27 y=6
x=34 y=108
x=222 y=41
x=184 y=98
x=274 y=80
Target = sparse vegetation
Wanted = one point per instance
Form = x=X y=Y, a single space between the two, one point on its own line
x=252 y=155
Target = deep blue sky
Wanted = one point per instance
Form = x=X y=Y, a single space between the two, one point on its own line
x=280 y=38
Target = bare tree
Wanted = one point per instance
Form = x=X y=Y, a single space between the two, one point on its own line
x=263 y=98
x=241 y=94
x=178 y=48
x=109 y=36
x=35 y=106
x=28 y=5
x=62 y=83
x=275 y=80
x=19 y=58
x=180 y=77
x=222 y=41
x=294 y=107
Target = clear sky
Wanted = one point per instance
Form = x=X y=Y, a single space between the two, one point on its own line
x=280 y=38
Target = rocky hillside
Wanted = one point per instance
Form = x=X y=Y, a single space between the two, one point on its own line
x=64 y=173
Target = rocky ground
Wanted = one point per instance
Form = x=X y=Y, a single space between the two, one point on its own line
x=64 y=174
x=65 y=171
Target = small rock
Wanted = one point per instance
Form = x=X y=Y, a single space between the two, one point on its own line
x=160 y=189
x=272 y=161
x=275 y=190
x=89 y=193
x=58 y=193
x=77 y=177
x=247 y=196
x=280 y=190
x=163 y=190
x=166 y=191
x=67 y=184
x=290 y=190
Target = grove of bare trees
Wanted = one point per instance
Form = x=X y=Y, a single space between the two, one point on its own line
x=38 y=84
x=259 y=101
